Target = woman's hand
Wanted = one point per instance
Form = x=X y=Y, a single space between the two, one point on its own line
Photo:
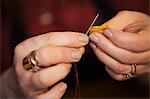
x=55 y=52
x=125 y=43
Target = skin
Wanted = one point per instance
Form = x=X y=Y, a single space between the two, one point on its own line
x=55 y=51
x=125 y=42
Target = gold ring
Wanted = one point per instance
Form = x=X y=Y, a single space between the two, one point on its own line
x=30 y=63
x=132 y=72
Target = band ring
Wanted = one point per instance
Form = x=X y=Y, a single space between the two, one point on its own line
x=132 y=72
x=30 y=63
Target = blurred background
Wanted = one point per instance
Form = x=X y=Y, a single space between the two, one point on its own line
x=21 y=19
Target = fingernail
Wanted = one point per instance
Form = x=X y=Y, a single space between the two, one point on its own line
x=62 y=87
x=93 y=45
x=76 y=54
x=94 y=38
x=108 y=33
x=83 y=38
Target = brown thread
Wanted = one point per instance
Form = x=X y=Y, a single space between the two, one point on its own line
x=77 y=87
x=75 y=68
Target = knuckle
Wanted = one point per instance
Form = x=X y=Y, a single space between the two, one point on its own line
x=127 y=12
x=16 y=60
x=18 y=48
x=42 y=53
x=124 y=12
x=63 y=54
x=17 y=70
x=75 y=55
x=43 y=57
x=59 y=54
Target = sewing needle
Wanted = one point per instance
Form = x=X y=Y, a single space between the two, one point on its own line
x=92 y=24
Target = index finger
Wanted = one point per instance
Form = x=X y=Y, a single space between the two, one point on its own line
x=63 y=39
x=67 y=39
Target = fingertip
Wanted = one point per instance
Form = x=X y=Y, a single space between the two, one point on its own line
x=62 y=87
x=55 y=92
x=83 y=38
x=82 y=50
x=117 y=37
x=108 y=33
x=75 y=55
x=94 y=38
x=112 y=33
x=93 y=46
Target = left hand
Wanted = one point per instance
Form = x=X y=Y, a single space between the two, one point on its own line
x=54 y=53
x=126 y=42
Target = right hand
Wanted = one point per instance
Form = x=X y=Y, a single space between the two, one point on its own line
x=55 y=51
x=126 y=43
